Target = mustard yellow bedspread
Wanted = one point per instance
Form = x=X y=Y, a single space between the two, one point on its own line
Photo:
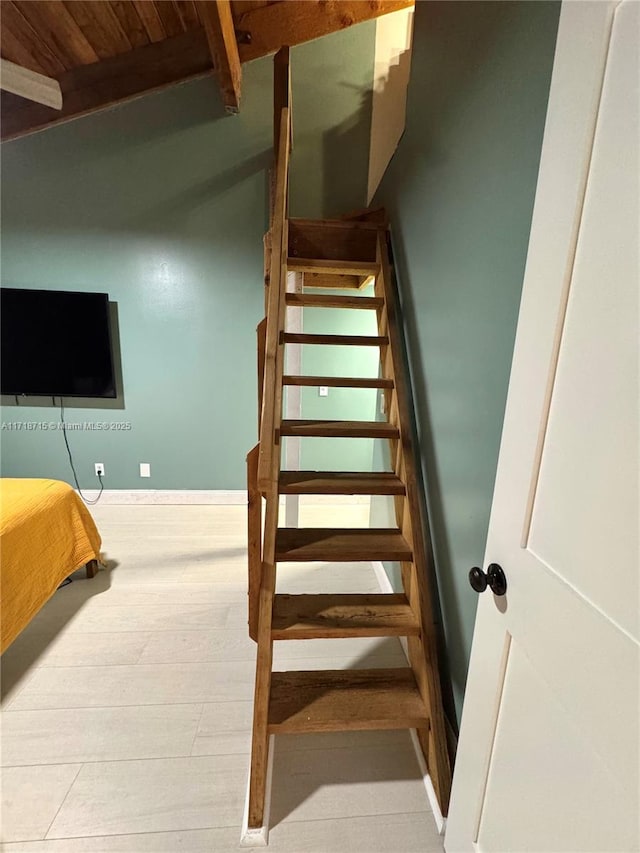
x=46 y=533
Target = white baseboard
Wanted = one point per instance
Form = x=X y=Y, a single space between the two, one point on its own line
x=259 y=837
x=152 y=497
x=441 y=822
x=207 y=497
x=382 y=577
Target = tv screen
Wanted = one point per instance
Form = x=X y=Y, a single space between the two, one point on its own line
x=55 y=343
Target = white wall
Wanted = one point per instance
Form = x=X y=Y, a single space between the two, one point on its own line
x=392 y=66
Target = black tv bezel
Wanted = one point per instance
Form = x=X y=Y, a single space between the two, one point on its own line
x=112 y=396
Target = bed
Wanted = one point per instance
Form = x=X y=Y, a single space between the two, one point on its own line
x=46 y=533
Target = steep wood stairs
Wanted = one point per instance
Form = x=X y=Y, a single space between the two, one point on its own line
x=337 y=257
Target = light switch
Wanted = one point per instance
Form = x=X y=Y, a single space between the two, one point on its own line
x=323 y=391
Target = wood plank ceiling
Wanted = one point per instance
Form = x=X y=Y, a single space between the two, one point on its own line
x=106 y=51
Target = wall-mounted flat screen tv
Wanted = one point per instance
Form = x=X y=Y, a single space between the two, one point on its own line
x=55 y=343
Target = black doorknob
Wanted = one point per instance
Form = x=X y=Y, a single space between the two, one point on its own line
x=494 y=579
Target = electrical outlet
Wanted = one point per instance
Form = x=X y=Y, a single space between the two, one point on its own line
x=145 y=469
x=323 y=391
x=99 y=467
x=383 y=407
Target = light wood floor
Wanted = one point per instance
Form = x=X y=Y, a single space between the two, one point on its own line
x=127 y=707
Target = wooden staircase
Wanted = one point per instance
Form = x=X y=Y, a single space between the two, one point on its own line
x=337 y=256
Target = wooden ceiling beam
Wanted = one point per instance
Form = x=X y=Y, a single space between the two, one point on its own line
x=165 y=61
x=266 y=29
x=219 y=28
x=89 y=88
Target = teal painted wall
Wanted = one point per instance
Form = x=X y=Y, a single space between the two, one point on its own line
x=460 y=194
x=339 y=454
x=162 y=203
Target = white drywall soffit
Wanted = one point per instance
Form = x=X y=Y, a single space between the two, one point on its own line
x=392 y=67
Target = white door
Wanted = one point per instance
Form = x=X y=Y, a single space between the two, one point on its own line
x=549 y=747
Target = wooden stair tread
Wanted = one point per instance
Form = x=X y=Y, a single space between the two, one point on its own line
x=317 y=300
x=332 y=267
x=339 y=381
x=343 y=544
x=339 y=429
x=335 y=282
x=336 y=340
x=345 y=222
x=303 y=617
x=327 y=239
x=340 y=483
x=345 y=700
